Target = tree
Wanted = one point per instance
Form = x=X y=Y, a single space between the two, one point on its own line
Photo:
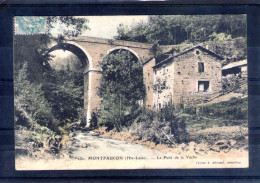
x=67 y=25
x=121 y=88
x=168 y=29
x=31 y=67
x=156 y=50
x=122 y=32
x=30 y=99
x=64 y=88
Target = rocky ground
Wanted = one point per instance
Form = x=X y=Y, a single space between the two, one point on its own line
x=72 y=152
x=227 y=140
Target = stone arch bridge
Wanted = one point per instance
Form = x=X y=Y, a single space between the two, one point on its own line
x=91 y=51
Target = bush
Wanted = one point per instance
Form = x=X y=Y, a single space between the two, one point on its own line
x=93 y=121
x=178 y=129
x=166 y=126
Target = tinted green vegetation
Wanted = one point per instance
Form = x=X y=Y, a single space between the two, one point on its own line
x=168 y=30
x=121 y=89
x=171 y=124
x=64 y=89
x=165 y=126
x=50 y=97
x=228 y=113
x=234 y=109
x=45 y=97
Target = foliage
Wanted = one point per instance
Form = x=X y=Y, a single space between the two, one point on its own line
x=67 y=25
x=93 y=121
x=59 y=96
x=121 y=88
x=31 y=50
x=176 y=120
x=64 y=87
x=231 y=83
x=167 y=30
x=219 y=37
x=156 y=50
x=234 y=109
x=148 y=126
x=31 y=106
x=122 y=32
x=165 y=126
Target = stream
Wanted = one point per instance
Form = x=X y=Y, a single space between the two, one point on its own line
x=85 y=144
x=87 y=150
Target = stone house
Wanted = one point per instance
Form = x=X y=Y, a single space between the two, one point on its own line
x=188 y=77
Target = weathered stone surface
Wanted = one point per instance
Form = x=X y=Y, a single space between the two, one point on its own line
x=182 y=77
x=178 y=79
x=221 y=145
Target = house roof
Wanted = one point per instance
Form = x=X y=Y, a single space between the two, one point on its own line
x=169 y=59
x=235 y=64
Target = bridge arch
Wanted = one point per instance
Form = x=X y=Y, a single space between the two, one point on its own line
x=124 y=48
x=76 y=49
x=87 y=63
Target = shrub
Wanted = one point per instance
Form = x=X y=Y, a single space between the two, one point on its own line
x=93 y=121
x=178 y=129
x=166 y=126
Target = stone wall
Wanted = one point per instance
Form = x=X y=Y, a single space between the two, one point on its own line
x=179 y=79
x=92 y=101
x=95 y=49
x=148 y=82
x=163 y=85
x=187 y=77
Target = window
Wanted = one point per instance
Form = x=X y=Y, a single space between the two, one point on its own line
x=197 y=52
x=201 y=66
x=163 y=69
x=160 y=106
x=155 y=71
x=148 y=75
x=148 y=88
x=203 y=86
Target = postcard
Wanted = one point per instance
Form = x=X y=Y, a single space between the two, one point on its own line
x=130 y=92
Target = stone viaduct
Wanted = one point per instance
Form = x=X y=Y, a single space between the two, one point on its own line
x=91 y=51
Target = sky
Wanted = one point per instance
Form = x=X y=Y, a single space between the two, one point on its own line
x=104 y=27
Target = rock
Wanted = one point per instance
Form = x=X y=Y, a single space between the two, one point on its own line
x=201 y=149
x=221 y=145
x=84 y=145
x=77 y=145
x=182 y=146
x=232 y=142
x=94 y=133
